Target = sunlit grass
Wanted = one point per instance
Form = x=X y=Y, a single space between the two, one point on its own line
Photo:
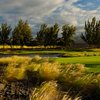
x=50 y=91
x=92 y=62
x=73 y=77
x=82 y=60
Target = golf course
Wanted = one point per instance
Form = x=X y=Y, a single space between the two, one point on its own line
x=55 y=64
x=90 y=57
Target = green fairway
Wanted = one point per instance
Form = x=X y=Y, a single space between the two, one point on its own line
x=33 y=52
x=92 y=63
x=82 y=60
x=62 y=53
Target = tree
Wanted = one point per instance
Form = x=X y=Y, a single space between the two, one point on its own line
x=60 y=41
x=52 y=35
x=47 y=36
x=22 y=33
x=5 y=30
x=92 y=32
x=41 y=34
x=67 y=35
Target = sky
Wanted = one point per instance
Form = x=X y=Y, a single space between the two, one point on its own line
x=37 y=12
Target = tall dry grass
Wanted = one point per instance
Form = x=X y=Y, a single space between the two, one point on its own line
x=69 y=77
x=50 y=91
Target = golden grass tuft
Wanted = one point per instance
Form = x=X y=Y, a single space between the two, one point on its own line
x=49 y=71
x=14 y=59
x=71 y=72
x=48 y=91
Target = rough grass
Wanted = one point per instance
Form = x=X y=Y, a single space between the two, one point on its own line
x=50 y=91
x=68 y=77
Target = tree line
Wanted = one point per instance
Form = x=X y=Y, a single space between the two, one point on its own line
x=49 y=35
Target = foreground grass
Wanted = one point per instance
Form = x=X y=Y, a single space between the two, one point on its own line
x=50 y=79
x=50 y=91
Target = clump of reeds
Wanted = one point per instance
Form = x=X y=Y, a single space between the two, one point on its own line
x=18 y=66
x=50 y=91
x=71 y=72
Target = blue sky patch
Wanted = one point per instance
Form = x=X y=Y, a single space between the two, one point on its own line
x=88 y=4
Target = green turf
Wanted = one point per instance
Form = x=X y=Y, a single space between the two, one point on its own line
x=33 y=52
x=43 y=52
x=83 y=60
x=92 y=63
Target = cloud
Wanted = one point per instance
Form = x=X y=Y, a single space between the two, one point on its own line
x=69 y=13
x=12 y=10
x=28 y=7
x=49 y=11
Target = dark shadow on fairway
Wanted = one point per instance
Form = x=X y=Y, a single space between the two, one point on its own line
x=93 y=65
